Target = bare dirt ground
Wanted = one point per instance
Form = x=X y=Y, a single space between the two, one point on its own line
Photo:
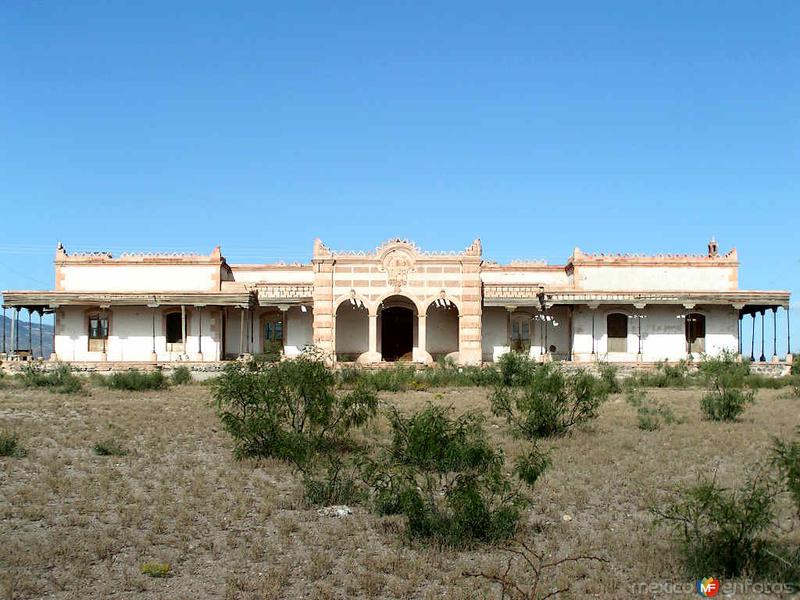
x=76 y=525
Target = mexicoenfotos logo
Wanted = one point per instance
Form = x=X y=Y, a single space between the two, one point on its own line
x=708 y=587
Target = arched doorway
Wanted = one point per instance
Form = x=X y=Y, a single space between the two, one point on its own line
x=397 y=315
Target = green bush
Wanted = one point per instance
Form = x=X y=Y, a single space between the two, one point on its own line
x=401 y=378
x=725 y=405
x=665 y=375
x=9 y=445
x=727 y=397
x=651 y=415
x=516 y=369
x=290 y=410
x=181 y=376
x=551 y=403
x=332 y=480
x=449 y=482
x=59 y=379
x=136 y=381
x=155 y=569
x=795 y=369
x=724 y=532
x=786 y=457
x=109 y=448
x=608 y=375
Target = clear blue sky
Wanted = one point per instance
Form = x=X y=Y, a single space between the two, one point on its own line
x=613 y=126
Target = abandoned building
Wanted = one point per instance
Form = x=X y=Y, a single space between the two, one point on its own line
x=397 y=303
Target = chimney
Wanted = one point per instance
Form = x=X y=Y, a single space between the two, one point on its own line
x=713 y=249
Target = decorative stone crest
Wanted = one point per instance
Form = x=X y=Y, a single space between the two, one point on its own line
x=397 y=263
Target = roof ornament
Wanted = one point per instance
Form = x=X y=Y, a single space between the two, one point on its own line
x=713 y=248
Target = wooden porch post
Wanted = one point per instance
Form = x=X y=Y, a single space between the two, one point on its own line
x=183 y=328
x=241 y=330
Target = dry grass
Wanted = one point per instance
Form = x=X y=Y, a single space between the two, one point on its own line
x=77 y=525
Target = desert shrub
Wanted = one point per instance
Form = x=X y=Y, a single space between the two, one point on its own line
x=288 y=410
x=9 y=445
x=291 y=411
x=136 y=381
x=725 y=404
x=608 y=375
x=444 y=476
x=332 y=480
x=403 y=378
x=786 y=458
x=59 y=379
x=724 y=531
x=273 y=350
x=516 y=369
x=651 y=415
x=533 y=574
x=727 y=397
x=181 y=376
x=551 y=403
x=156 y=569
x=109 y=448
x=665 y=375
x=795 y=369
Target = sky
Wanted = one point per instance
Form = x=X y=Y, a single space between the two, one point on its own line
x=617 y=126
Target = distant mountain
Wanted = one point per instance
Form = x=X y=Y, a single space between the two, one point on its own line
x=47 y=335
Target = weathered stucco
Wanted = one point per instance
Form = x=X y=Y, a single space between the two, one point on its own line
x=448 y=304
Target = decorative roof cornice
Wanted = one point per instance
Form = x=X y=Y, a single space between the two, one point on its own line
x=580 y=257
x=322 y=251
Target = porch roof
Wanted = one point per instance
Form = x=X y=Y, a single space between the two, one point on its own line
x=521 y=295
x=55 y=299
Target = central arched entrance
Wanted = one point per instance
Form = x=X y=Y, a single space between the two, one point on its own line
x=397 y=316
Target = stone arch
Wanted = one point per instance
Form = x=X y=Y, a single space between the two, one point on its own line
x=442 y=328
x=351 y=328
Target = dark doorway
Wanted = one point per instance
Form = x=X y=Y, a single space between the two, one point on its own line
x=397 y=333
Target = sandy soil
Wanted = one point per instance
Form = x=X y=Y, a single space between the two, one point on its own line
x=76 y=525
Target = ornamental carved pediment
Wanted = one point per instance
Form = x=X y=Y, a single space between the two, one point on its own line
x=397 y=263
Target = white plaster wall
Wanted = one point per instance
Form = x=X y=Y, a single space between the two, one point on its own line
x=302 y=274
x=608 y=277
x=663 y=332
x=352 y=330
x=545 y=276
x=494 y=333
x=300 y=333
x=130 y=337
x=441 y=332
x=233 y=329
x=139 y=278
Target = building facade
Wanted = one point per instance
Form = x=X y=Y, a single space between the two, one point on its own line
x=397 y=303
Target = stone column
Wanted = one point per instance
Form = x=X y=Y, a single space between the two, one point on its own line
x=421 y=351
x=470 y=351
x=373 y=334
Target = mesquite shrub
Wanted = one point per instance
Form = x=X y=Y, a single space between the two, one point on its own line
x=728 y=394
x=724 y=531
x=551 y=402
x=448 y=480
x=291 y=411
